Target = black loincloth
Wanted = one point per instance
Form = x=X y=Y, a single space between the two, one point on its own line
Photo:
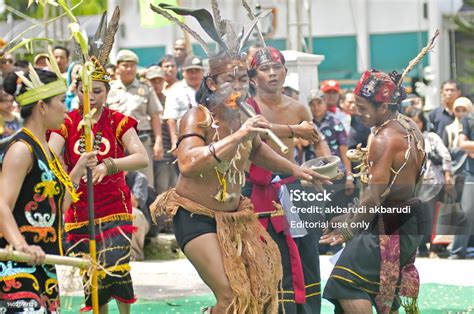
x=356 y=274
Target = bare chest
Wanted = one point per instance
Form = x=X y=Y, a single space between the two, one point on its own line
x=281 y=114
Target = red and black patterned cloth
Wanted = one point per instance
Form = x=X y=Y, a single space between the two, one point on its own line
x=267 y=54
x=112 y=204
x=380 y=87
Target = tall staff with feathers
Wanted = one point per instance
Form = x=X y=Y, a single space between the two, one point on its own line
x=86 y=70
x=100 y=46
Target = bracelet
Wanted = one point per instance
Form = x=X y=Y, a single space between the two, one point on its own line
x=107 y=165
x=212 y=149
x=110 y=165
x=346 y=234
x=114 y=166
x=291 y=130
x=75 y=185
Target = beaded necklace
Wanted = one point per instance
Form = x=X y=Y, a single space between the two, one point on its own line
x=96 y=145
x=55 y=167
x=97 y=137
x=228 y=170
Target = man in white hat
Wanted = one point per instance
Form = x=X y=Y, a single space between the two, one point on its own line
x=156 y=76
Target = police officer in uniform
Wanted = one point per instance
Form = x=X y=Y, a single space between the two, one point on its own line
x=138 y=100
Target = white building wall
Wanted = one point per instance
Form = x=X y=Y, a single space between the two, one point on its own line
x=131 y=34
x=360 y=18
x=396 y=16
x=329 y=18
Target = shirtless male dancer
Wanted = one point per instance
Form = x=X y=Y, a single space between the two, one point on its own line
x=289 y=119
x=377 y=264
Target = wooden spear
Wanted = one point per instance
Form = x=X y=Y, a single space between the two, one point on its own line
x=17 y=256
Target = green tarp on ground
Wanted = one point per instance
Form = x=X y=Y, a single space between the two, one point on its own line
x=434 y=299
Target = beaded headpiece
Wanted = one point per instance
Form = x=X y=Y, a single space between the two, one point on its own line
x=99 y=74
x=376 y=86
x=37 y=90
x=380 y=87
x=267 y=54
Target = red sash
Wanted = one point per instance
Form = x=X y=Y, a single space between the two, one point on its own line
x=264 y=193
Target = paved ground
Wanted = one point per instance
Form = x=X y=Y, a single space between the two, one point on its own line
x=174 y=279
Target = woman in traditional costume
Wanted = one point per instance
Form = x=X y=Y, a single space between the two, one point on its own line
x=119 y=149
x=35 y=191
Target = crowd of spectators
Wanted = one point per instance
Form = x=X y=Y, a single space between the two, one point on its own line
x=159 y=95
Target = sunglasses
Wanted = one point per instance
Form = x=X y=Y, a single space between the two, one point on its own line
x=3 y=61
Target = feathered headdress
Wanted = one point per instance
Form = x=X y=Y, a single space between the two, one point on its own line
x=37 y=90
x=101 y=45
x=229 y=54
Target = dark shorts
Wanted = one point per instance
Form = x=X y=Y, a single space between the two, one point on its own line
x=188 y=226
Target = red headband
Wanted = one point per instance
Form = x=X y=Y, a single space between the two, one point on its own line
x=267 y=54
x=378 y=87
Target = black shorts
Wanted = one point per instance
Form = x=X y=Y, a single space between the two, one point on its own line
x=188 y=226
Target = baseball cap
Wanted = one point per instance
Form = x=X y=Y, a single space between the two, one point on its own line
x=315 y=94
x=330 y=85
x=154 y=72
x=125 y=55
x=192 y=62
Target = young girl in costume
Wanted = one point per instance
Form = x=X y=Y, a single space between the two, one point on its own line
x=114 y=134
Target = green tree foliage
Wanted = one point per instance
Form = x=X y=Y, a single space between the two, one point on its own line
x=465 y=25
x=90 y=7
x=87 y=7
